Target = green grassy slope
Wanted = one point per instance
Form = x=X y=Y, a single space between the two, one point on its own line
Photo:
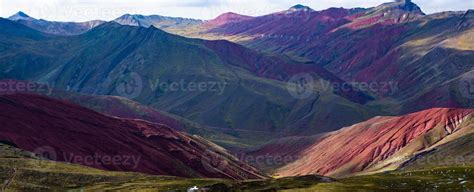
x=436 y=179
x=33 y=174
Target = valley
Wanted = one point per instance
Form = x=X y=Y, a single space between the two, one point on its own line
x=374 y=98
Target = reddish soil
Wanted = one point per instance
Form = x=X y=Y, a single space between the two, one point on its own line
x=65 y=130
x=372 y=141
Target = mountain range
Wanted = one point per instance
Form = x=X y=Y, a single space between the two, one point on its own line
x=334 y=52
x=339 y=42
x=54 y=27
x=378 y=98
x=71 y=63
x=161 y=22
x=394 y=42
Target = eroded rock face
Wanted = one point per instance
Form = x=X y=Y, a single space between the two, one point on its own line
x=362 y=146
x=70 y=133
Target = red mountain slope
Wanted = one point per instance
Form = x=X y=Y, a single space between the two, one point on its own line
x=381 y=143
x=393 y=43
x=226 y=18
x=278 y=68
x=290 y=22
x=75 y=134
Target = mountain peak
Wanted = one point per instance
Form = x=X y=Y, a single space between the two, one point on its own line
x=399 y=9
x=232 y=15
x=403 y=1
x=229 y=14
x=228 y=17
x=133 y=20
x=130 y=16
x=300 y=7
x=20 y=16
x=20 y=13
x=407 y=5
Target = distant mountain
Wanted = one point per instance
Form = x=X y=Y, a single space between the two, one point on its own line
x=383 y=144
x=158 y=21
x=394 y=42
x=282 y=26
x=17 y=32
x=347 y=46
x=227 y=18
x=300 y=7
x=292 y=22
x=73 y=134
x=20 y=16
x=253 y=100
x=300 y=27
x=53 y=27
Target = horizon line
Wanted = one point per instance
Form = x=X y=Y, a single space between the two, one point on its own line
x=147 y=13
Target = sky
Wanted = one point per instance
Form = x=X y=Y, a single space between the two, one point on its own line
x=84 y=10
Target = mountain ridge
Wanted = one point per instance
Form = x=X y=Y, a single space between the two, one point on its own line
x=55 y=27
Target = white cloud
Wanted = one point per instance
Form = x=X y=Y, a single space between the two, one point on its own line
x=82 y=10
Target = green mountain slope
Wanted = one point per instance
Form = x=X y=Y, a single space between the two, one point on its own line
x=239 y=96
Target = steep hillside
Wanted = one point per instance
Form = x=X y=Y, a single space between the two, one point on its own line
x=419 y=56
x=280 y=152
x=65 y=132
x=381 y=143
